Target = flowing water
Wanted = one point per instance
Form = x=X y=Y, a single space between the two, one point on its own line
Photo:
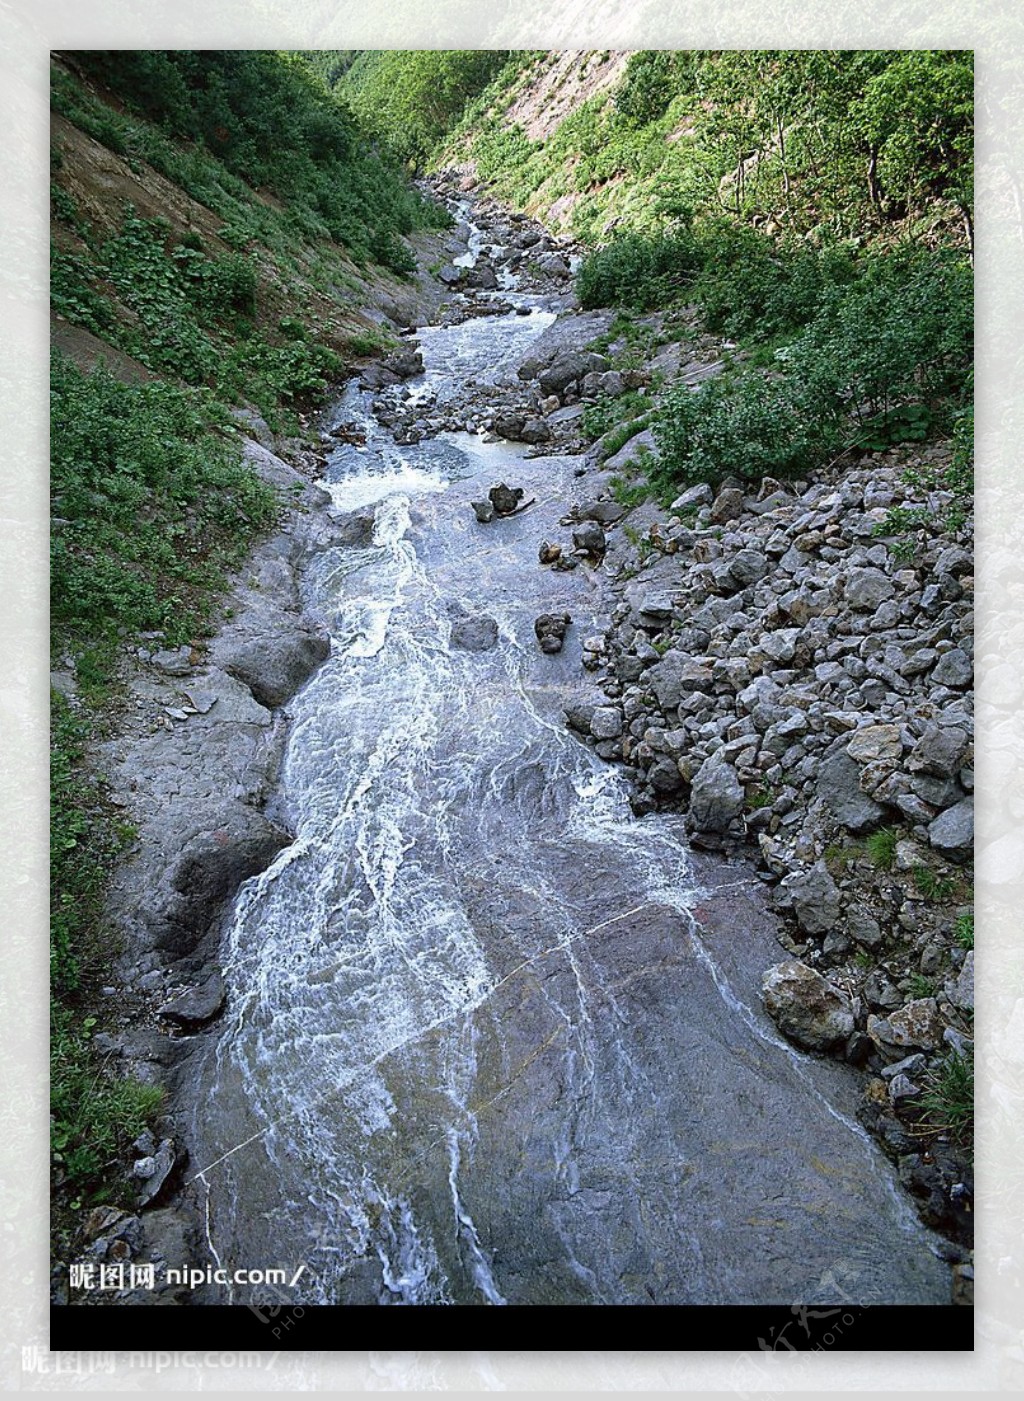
x=490 y=1038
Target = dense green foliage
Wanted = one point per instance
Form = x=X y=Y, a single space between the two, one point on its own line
x=836 y=141
x=268 y=122
x=409 y=99
x=151 y=506
x=884 y=357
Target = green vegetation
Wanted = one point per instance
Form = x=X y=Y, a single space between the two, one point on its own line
x=262 y=118
x=813 y=205
x=934 y=886
x=881 y=847
x=95 y=1115
x=948 y=1102
x=920 y=986
x=963 y=930
x=410 y=99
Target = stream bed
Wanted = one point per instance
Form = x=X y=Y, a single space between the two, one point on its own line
x=490 y=1038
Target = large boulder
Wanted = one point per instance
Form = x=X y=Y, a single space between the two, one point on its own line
x=566 y=368
x=806 y=1007
x=717 y=795
x=815 y=896
x=275 y=663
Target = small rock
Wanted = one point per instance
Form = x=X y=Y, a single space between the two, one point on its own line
x=865 y=589
x=914 y=1027
x=550 y=629
x=549 y=553
x=954 y=669
x=590 y=538
x=173 y=663
x=727 y=505
x=504 y=499
x=717 y=796
x=484 y=511
x=961 y=994
x=196 y=1006
x=694 y=498
x=806 y=1007
x=606 y=722
x=952 y=832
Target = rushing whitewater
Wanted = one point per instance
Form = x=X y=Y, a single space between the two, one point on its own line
x=490 y=1038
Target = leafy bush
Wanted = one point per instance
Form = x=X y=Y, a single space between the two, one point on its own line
x=638 y=271
x=750 y=426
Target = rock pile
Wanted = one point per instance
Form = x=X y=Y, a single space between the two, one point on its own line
x=795 y=675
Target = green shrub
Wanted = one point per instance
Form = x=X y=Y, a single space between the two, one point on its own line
x=750 y=426
x=638 y=271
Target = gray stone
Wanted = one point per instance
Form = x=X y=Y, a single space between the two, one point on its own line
x=656 y=605
x=154 y=1172
x=209 y=868
x=554 y=265
x=474 y=634
x=612 y=384
x=664 y=776
x=747 y=567
x=717 y=795
x=197 y=1005
x=201 y=701
x=535 y=430
x=865 y=589
x=275 y=663
x=606 y=722
x=590 y=538
x=693 y=498
x=839 y=786
x=173 y=662
x=578 y=715
x=952 y=832
x=915 y=1027
x=806 y=1007
x=484 y=511
x=565 y=368
x=816 y=903
x=909 y=1066
x=641 y=445
x=862 y=927
x=954 y=668
x=961 y=993
x=677 y=676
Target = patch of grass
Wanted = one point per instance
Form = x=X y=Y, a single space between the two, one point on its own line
x=920 y=986
x=948 y=1101
x=881 y=847
x=934 y=886
x=630 y=493
x=95 y=1114
x=963 y=930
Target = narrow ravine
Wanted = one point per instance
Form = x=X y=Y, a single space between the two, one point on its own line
x=491 y=1038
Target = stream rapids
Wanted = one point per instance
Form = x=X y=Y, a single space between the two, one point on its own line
x=490 y=1038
